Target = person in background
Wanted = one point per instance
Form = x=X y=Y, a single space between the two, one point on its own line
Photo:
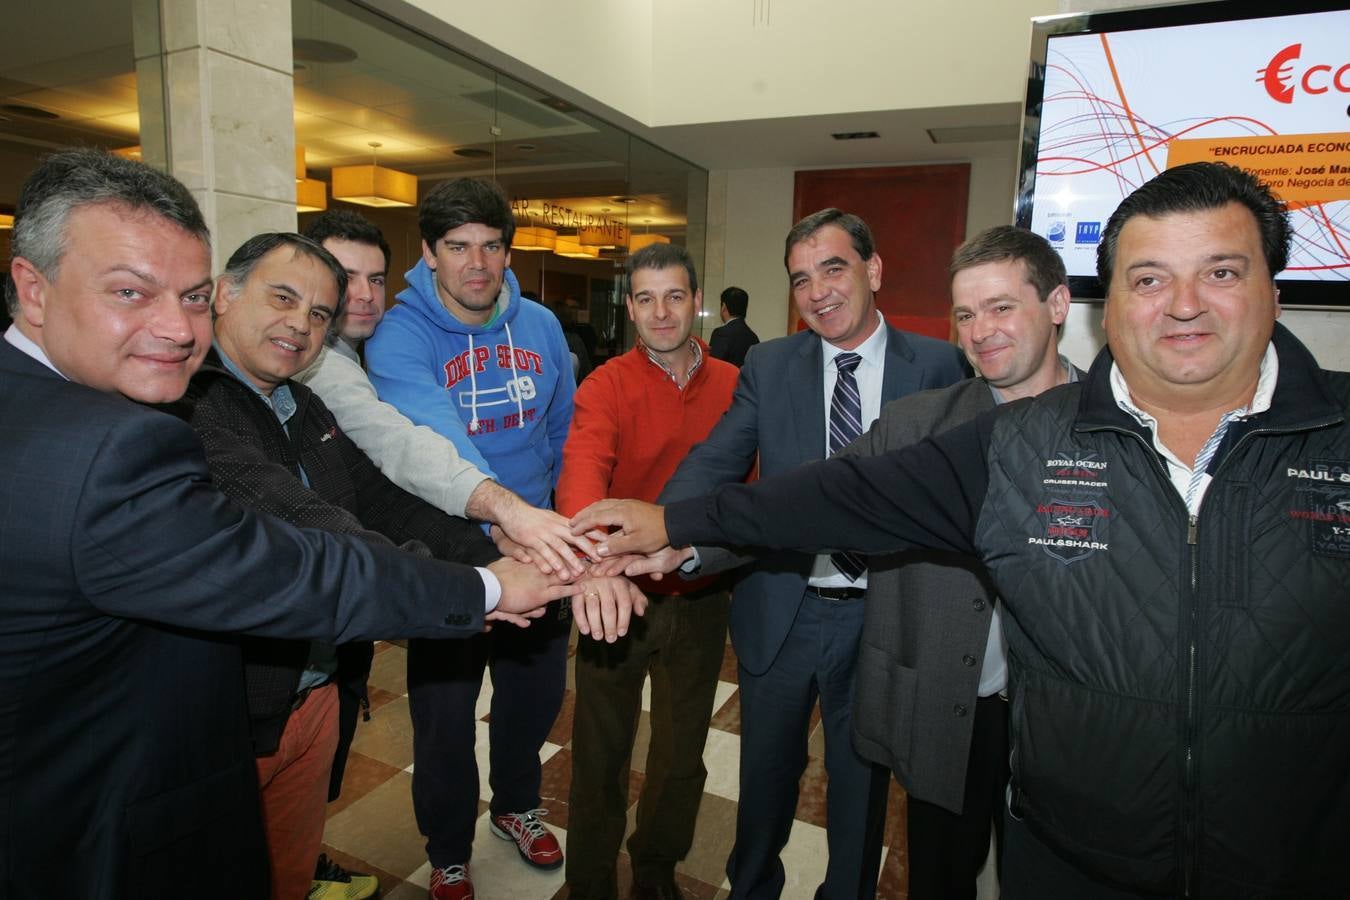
x=581 y=360
x=733 y=339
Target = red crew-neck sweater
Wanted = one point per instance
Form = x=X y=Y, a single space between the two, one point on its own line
x=631 y=429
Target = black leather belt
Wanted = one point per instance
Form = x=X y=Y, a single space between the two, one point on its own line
x=830 y=593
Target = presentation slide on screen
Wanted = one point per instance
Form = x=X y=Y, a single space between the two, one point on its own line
x=1271 y=96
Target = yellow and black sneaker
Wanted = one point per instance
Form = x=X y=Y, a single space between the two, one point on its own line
x=332 y=882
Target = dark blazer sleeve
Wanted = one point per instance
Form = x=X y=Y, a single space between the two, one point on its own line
x=404 y=517
x=925 y=495
x=155 y=540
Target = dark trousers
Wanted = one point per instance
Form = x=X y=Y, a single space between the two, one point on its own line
x=680 y=642
x=529 y=672
x=816 y=661
x=352 y=672
x=946 y=850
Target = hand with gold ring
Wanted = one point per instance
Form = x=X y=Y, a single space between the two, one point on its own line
x=605 y=606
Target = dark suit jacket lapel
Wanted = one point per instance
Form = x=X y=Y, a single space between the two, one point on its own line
x=900 y=377
x=806 y=392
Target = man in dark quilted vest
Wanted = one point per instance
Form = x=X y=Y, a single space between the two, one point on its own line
x=1171 y=539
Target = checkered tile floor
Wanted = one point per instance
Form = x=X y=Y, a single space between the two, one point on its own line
x=371 y=827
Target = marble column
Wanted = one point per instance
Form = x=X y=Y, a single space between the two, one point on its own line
x=217 y=109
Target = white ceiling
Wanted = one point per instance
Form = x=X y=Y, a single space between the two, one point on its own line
x=422 y=103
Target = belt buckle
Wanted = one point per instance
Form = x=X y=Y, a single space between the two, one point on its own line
x=839 y=593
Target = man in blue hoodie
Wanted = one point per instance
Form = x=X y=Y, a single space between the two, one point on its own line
x=464 y=354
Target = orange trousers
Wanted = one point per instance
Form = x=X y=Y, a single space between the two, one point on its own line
x=293 y=784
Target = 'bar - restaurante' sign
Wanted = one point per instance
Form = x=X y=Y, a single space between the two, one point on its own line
x=552 y=214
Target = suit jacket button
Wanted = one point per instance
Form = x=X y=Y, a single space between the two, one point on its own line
x=959 y=710
x=979 y=605
x=968 y=660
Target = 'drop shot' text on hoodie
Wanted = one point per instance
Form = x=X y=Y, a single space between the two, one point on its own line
x=502 y=392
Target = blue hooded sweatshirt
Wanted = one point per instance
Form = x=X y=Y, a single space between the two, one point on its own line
x=502 y=392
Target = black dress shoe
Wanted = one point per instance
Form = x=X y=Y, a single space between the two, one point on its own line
x=657 y=890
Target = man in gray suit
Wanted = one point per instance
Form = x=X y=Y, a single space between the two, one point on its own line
x=932 y=674
x=796 y=618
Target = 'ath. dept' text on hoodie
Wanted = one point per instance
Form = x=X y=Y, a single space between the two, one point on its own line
x=502 y=392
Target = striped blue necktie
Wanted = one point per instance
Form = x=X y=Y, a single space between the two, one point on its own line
x=845 y=426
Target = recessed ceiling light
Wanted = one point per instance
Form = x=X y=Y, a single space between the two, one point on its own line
x=28 y=112
x=624 y=198
x=311 y=50
x=526 y=148
x=855 y=135
x=557 y=103
x=473 y=153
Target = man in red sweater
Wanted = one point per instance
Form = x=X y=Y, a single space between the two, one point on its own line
x=636 y=418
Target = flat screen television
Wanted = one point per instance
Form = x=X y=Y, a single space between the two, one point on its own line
x=1114 y=98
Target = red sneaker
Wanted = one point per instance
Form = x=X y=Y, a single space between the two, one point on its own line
x=536 y=844
x=451 y=883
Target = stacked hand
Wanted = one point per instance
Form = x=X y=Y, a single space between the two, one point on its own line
x=640 y=540
x=542 y=537
x=602 y=606
x=525 y=592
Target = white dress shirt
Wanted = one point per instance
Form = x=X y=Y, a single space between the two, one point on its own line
x=869 y=376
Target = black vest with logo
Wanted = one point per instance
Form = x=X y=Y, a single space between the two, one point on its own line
x=1198 y=669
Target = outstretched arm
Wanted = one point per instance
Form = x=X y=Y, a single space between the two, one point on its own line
x=926 y=495
x=429 y=465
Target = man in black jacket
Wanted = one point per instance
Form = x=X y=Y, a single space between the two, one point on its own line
x=1171 y=540
x=733 y=339
x=273 y=446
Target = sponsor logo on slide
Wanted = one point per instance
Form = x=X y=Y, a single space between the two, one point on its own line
x=1280 y=81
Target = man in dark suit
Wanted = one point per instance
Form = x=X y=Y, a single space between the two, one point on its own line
x=796 y=619
x=733 y=339
x=1009 y=298
x=126 y=756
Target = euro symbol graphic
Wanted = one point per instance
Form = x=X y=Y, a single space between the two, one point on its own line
x=1276 y=75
